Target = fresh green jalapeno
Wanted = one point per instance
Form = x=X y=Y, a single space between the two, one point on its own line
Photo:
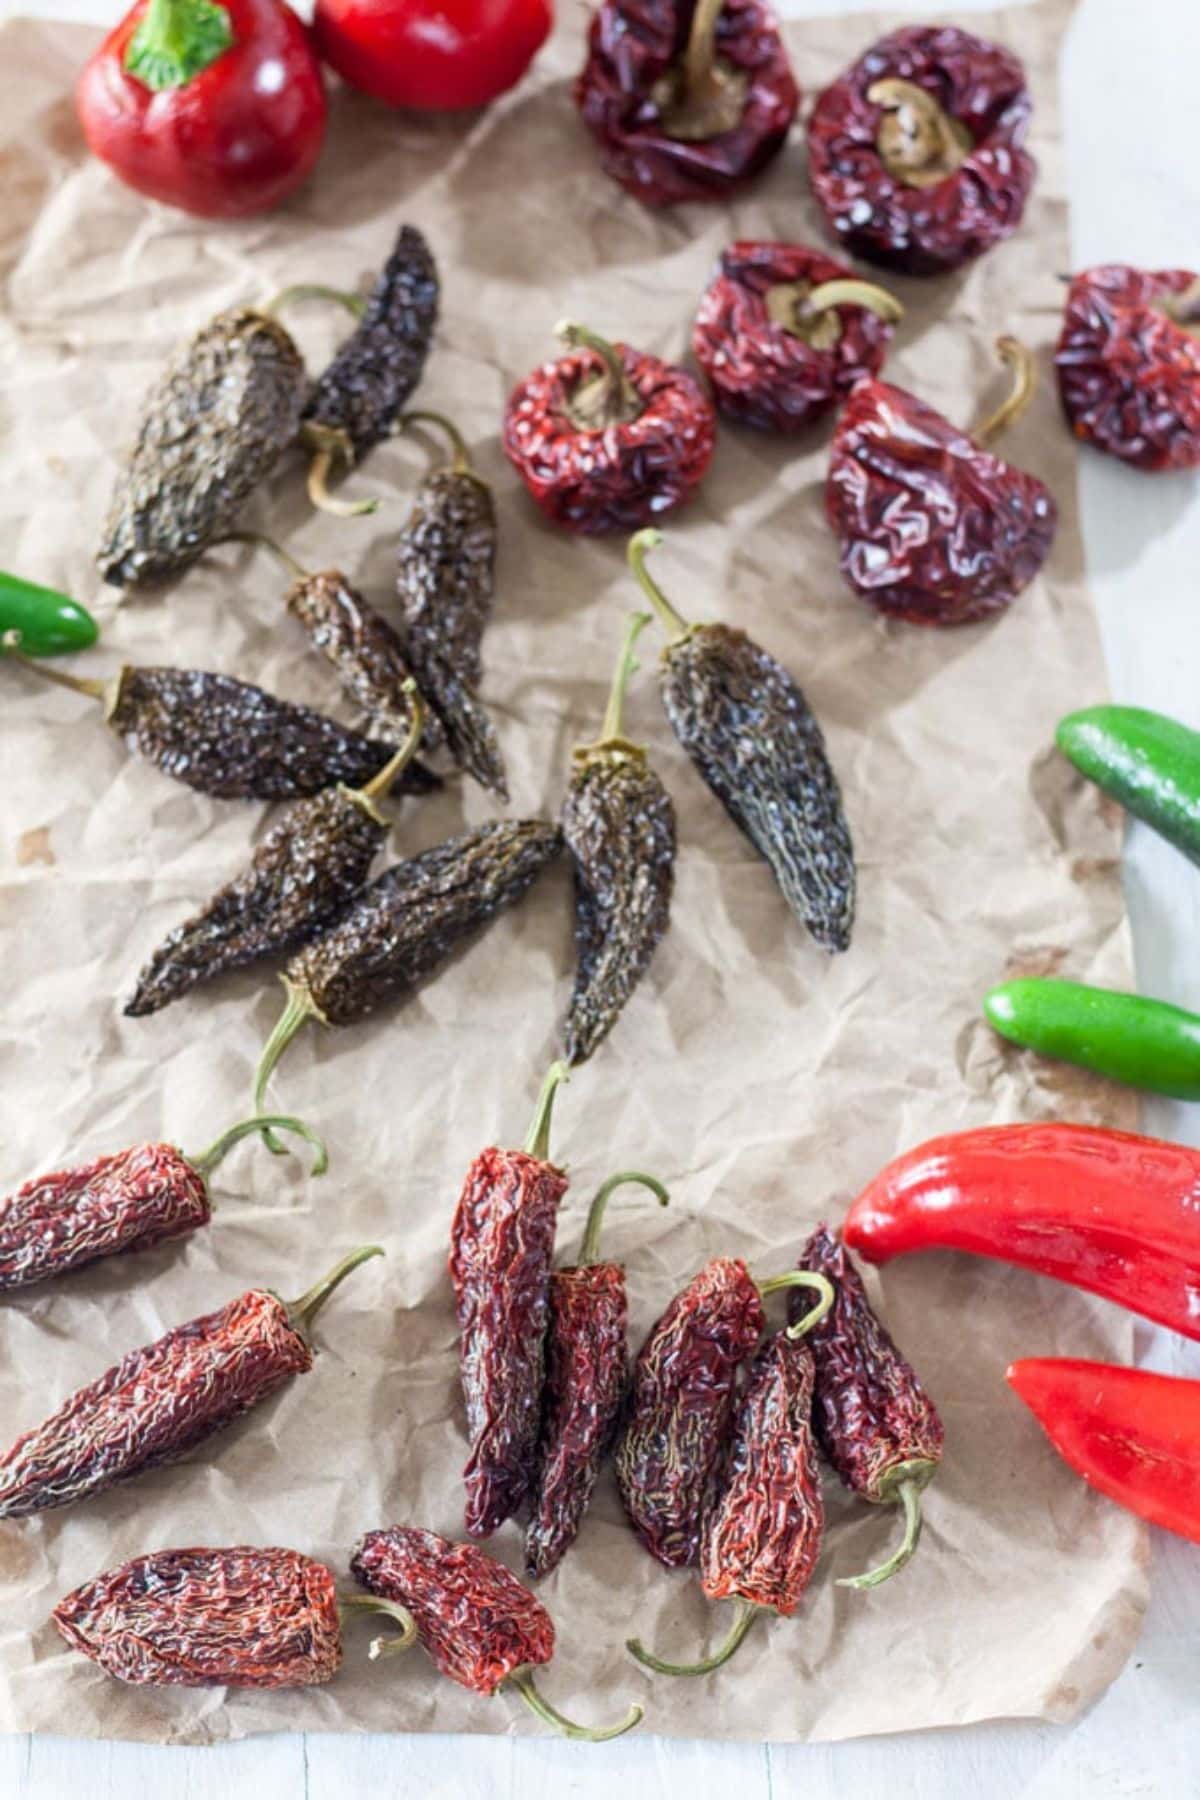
x=41 y=622
x=1144 y=1043
x=1150 y=763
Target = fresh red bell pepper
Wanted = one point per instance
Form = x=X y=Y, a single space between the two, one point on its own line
x=218 y=109
x=435 y=55
x=1113 y=1213
x=1131 y=1434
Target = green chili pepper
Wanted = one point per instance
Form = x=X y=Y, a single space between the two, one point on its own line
x=42 y=622
x=1150 y=763
x=1144 y=1043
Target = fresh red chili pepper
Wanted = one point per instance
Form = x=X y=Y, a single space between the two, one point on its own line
x=501 y=1246
x=1128 y=362
x=428 y=54
x=933 y=527
x=607 y=438
x=784 y=332
x=916 y=153
x=687 y=99
x=586 y=1370
x=216 y=108
x=1105 y=1210
x=159 y=1402
x=1131 y=1434
x=479 y=1625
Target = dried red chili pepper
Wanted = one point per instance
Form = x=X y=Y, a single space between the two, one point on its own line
x=478 y=1624
x=1128 y=362
x=784 y=332
x=933 y=527
x=762 y=1530
x=237 y=1617
x=159 y=1402
x=687 y=99
x=128 y=1201
x=873 y=1419
x=916 y=153
x=586 y=1371
x=607 y=437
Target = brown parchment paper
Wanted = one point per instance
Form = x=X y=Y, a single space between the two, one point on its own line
x=762 y=1081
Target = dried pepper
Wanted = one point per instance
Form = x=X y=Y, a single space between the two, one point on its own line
x=477 y=1623
x=1128 y=362
x=619 y=826
x=607 y=438
x=159 y=1402
x=130 y=1200
x=688 y=99
x=242 y=1617
x=784 y=332
x=586 y=1371
x=933 y=527
x=40 y=621
x=873 y=1419
x=747 y=727
x=501 y=1246
x=762 y=1530
x=226 y=738
x=405 y=924
x=304 y=872
x=916 y=153
x=445 y=578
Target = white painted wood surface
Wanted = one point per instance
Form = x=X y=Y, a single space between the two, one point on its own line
x=1130 y=95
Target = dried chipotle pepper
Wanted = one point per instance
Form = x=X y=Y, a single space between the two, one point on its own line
x=1128 y=363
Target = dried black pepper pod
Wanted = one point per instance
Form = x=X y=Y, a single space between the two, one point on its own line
x=747 y=727
x=619 y=825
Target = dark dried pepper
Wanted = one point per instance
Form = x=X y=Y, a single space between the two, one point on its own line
x=159 y=1402
x=619 y=826
x=747 y=727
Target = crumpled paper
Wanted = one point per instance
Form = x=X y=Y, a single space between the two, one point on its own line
x=764 y=1082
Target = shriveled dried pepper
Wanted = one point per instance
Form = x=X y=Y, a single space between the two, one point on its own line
x=130 y=1200
x=934 y=528
x=586 y=1372
x=1128 y=362
x=619 y=826
x=477 y=1623
x=747 y=727
x=916 y=153
x=873 y=1419
x=607 y=438
x=687 y=99
x=159 y=1402
x=784 y=332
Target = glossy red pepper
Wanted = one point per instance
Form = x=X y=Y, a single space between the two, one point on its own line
x=687 y=99
x=1128 y=362
x=916 y=153
x=218 y=109
x=1106 y=1210
x=433 y=55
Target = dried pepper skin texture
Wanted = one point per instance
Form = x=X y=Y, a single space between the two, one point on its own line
x=212 y=428
x=477 y=1623
x=934 y=529
x=629 y=91
x=916 y=153
x=774 y=376
x=238 y=1617
x=1128 y=363
x=679 y=1407
x=362 y=648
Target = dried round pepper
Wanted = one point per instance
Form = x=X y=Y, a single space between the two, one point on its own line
x=784 y=332
x=916 y=153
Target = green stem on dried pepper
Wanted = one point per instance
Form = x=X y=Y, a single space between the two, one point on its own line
x=589 y=1249
x=220 y=1147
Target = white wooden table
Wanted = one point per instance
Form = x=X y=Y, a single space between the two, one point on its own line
x=1130 y=94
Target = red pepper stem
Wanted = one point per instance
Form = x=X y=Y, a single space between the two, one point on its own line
x=844 y=292
x=537 y=1140
x=913 y=1479
x=612 y=397
x=380 y=784
x=78 y=684
x=395 y=1642
x=461 y=463
x=522 y=1680
x=671 y=620
x=590 y=1247
x=175 y=40
x=208 y=1159
x=746 y=1614
x=258 y=541
x=300 y=1006
x=802 y=1278
x=1024 y=371
x=701 y=50
x=316 y=290
x=303 y=1311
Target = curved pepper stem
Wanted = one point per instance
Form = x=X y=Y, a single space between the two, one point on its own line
x=380 y=784
x=522 y=1680
x=208 y=1159
x=10 y=646
x=300 y=1006
x=811 y=313
x=905 y=1489
x=609 y=399
x=919 y=143
x=746 y=1614
x=1024 y=373
x=175 y=41
x=303 y=1311
x=808 y=1278
x=589 y=1249
x=395 y=1642
x=460 y=456
x=852 y=292
x=316 y=290
x=671 y=620
x=537 y=1139
x=627 y=665
x=259 y=541
x=330 y=448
